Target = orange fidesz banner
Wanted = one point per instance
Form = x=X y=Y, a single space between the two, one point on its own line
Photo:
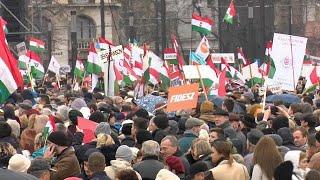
x=183 y=97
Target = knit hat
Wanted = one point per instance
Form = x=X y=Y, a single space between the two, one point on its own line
x=165 y=174
x=249 y=121
x=103 y=128
x=175 y=164
x=254 y=136
x=78 y=103
x=220 y=112
x=19 y=163
x=192 y=122
x=125 y=153
x=59 y=138
x=26 y=105
x=277 y=139
x=206 y=107
x=173 y=127
x=197 y=167
x=39 y=164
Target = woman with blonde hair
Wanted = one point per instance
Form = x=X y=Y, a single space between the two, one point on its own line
x=107 y=146
x=226 y=167
x=266 y=158
x=200 y=151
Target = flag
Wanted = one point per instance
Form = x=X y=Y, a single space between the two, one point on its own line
x=3 y=25
x=195 y=58
x=137 y=54
x=270 y=67
x=176 y=47
x=79 y=69
x=241 y=56
x=203 y=49
x=25 y=75
x=49 y=127
x=222 y=83
x=104 y=43
x=230 y=14
x=200 y=24
x=9 y=60
x=36 y=45
x=151 y=66
x=251 y=73
x=23 y=61
x=164 y=78
x=312 y=78
x=7 y=82
x=93 y=62
x=212 y=65
x=170 y=55
x=54 y=65
x=37 y=70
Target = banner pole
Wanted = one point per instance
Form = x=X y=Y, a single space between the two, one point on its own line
x=202 y=84
x=265 y=95
x=294 y=81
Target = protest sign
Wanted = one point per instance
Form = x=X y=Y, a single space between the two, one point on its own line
x=183 y=97
x=288 y=54
x=216 y=57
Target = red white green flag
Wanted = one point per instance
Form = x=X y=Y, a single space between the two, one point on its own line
x=230 y=14
x=200 y=24
x=37 y=70
x=36 y=45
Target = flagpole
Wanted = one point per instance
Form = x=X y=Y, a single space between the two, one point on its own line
x=265 y=95
x=294 y=81
x=202 y=84
x=30 y=77
x=58 y=80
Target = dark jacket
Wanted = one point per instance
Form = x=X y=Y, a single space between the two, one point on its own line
x=66 y=165
x=99 y=176
x=129 y=141
x=12 y=140
x=229 y=132
x=109 y=152
x=186 y=141
x=184 y=161
x=149 y=167
x=159 y=134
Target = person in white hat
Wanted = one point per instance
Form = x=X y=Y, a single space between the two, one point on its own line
x=19 y=163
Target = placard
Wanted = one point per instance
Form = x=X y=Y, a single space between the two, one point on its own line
x=216 y=57
x=182 y=97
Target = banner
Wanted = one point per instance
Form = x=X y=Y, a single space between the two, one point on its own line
x=103 y=55
x=117 y=53
x=191 y=72
x=216 y=57
x=88 y=127
x=288 y=54
x=203 y=50
x=182 y=97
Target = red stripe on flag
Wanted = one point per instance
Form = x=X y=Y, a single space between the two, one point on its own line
x=313 y=76
x=38 y=41
x=203 y=19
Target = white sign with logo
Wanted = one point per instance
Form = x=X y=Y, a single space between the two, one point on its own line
x=64 y=69
x=21 y=48
x=216 y=57
x=104 y=55
x=288 y=54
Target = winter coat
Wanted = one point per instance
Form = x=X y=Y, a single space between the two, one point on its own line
x=257 y=173
x=159 y=134
x=109 y=152
x=149 y=167
x=186 y=141
x=66 y=165
x=129 y=141
x=235 y=171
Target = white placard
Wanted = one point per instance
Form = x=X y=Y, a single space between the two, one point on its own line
x=288 y=62
x=216 y=57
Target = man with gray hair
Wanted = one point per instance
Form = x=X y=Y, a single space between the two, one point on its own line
x=150 y=165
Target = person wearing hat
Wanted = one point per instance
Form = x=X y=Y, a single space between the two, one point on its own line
x=197 y=170
x=192 y=126
x=67 y=164
x=40 y=168
x=124 y=157
x=221 y=120
x=19 y=163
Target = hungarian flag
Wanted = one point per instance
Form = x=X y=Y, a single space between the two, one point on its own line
x=200 y=24
x=3 y=25
x=164 y=78
x=49 y=127
x=79 y=69
x=37 y=70
x=313 y=78
x=241 y=56
x=222 y=83
x=7 y=82
x=170 y=55
x=93 y=62
x=152 y=65
x=176 y=48
x=251 y=73
x=25 y=75
x=36 y=45
x=23 y=61
x=54 y=65
x=270 y=66
x=212 y=65
x=103 y=43
x=137 y=56
x=230 y=14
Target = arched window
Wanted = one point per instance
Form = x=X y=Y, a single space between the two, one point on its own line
x=86 y=28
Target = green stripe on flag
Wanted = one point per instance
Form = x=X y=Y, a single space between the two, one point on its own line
x=36 y=74
x=4 y=92
x=200 y=30
x=93 y=68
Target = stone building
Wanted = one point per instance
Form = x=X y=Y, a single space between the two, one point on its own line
x=58 y=13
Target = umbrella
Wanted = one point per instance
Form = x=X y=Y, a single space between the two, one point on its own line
x=217 y=100
x=238 y=109
x=149 y=102
x=286 y=98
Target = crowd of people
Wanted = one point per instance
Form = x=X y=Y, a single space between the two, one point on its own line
x=277 y=142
